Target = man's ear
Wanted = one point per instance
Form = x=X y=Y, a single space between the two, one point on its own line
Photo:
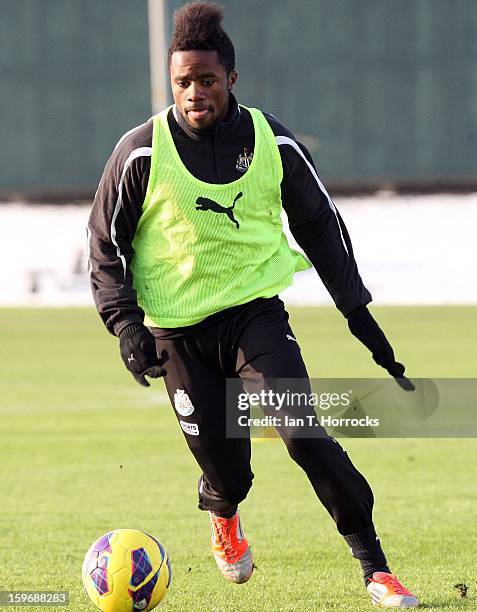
x=232 y=79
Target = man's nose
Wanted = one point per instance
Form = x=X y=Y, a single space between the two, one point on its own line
x=196 y=92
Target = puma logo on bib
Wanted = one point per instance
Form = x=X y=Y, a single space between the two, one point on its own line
x=207 y=204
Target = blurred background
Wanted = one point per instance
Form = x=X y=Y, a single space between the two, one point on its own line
x=383 y=93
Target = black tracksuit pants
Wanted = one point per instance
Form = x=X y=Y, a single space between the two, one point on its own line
x=253 y=342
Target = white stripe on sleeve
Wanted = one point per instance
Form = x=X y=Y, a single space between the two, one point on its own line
x=88 y=241
x=281 y=140
x=141 y=152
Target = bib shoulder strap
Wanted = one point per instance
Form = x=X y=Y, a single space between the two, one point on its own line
x=265 y=132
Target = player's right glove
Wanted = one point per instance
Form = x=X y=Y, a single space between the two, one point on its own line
x=138 y=351
x=362 y=325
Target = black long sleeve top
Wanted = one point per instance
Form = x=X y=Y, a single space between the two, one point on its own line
x=217 y=156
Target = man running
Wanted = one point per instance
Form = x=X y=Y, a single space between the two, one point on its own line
x=187 y=257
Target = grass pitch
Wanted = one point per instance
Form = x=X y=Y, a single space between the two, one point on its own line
x=84 y=449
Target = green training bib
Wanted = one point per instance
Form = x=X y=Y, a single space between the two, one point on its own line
x=201 y=248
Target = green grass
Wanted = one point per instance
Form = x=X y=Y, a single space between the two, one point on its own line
x=84 y=449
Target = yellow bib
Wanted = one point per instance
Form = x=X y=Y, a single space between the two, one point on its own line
x=201 y=248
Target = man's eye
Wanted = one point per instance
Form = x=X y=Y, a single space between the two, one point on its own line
x=183 y=84
x=208 y=83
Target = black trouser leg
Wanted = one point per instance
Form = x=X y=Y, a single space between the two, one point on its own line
x=267 y=351
x=193 y=369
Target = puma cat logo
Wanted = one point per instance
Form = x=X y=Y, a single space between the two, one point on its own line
x=206 y=204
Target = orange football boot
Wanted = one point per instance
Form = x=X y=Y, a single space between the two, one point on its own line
x=230 y=548
x=387 y=592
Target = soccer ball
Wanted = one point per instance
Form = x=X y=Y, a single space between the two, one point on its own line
x=126 y=570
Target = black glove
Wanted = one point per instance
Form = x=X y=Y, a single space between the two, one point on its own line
x=364 y=327
x=138 y=351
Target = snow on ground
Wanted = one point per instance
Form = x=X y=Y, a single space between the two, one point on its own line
x=410 y=250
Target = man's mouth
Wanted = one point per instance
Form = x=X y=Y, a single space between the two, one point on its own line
x=197 y=113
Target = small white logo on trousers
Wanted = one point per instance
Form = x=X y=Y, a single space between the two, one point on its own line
x=190 y=428
x=291 y=338
x=182 y=403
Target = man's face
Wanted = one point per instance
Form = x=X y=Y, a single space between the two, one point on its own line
x=200 y=86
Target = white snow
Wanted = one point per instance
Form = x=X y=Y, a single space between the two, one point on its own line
x=409 y=249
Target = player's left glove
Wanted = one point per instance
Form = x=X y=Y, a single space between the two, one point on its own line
x=362 y=325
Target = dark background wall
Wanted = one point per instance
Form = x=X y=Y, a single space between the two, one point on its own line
x=74 y=75
x=380 y=90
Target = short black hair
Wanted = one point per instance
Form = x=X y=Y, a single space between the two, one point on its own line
x=197 y=27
